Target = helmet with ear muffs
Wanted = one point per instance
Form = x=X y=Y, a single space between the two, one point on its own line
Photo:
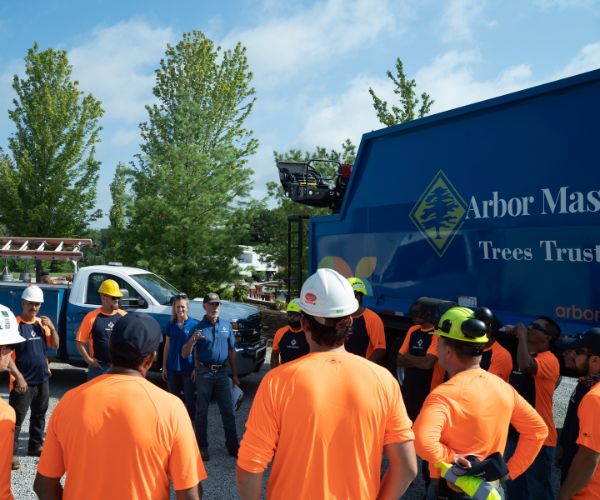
x=461 y=323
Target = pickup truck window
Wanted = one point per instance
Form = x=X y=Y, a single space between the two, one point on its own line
x=156 y=286
x=94 y=281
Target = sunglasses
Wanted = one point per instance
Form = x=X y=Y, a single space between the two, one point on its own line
x=537 y=326
x=180 y=296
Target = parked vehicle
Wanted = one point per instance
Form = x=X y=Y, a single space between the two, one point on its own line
x=493 y=204
x=66 y=305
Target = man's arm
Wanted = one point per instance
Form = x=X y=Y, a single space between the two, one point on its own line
x=421 y=362
x=582 y=469
x=20 y=385
x=525 y=361
x=54 y=340
x=274 y=358
x=233 y=364
x=165 y=357
x=193 y=493
x=47 y=488
x=249 y=484
x=401 y=471
x=377 y=356
x=85 y=355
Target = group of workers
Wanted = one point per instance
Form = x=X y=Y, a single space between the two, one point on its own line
x=325 y=416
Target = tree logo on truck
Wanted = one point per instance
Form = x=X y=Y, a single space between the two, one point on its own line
x=439 y=213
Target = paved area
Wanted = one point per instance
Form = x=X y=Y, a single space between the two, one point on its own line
x=220 y=484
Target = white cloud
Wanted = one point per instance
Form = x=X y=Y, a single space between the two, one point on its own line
x=116 y=65
x=459 y=17
x=283 y=47
x=125 y=137
x=587 y=59
x=450 y=80
x=332 y=120
x=566 y=4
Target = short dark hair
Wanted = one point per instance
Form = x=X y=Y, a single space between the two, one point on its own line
x=464 y=350
x=553 y=325
x=126 y=356
x=332 y=333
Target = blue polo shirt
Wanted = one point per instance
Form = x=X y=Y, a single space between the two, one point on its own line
x=178 y=337
x=217 y=342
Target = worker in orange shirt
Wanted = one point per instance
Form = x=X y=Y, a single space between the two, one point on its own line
x=468 y=416
x=96 y=329
x=289 y=342
x=9 y=336
x=535 y=376
x=496 y=359
x=118 y=435
x=327 y=417
x=366 y=337
x=583 y=477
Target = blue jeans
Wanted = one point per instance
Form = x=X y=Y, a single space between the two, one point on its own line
x=535 y=483
x=94 y=372
x=181 y=383
x=217 y=382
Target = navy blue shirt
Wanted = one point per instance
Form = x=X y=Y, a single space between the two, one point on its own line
x=178 y=337
x=218 y=339
x=30 y=356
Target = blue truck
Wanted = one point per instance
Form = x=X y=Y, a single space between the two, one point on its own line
x=493 y=204
x=66 y=305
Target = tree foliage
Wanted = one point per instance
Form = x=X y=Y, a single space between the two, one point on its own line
x=49 y=181
x=193 y=165
x=267 y=226
x=409 y=108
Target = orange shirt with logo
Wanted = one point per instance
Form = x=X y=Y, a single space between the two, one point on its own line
x=7 y=441
x=589 y=436
x=470 y=414
x=84 y=334
x=120 y=436
x=326 y=418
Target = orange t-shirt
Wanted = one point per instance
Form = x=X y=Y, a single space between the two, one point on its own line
x=589 y=436
x=326 y=417
x=7 y=441
x=470 y=414
x=546 y=380
x=501 y=363
x=376 y=331
x=120 y=436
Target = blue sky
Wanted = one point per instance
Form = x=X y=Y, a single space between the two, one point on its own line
x=313 y=61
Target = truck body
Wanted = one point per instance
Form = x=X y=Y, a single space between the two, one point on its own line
x=143 y=291
x=493 y=204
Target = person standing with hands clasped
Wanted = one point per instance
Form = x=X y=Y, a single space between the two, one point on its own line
x=31 y=363
x=213 y=344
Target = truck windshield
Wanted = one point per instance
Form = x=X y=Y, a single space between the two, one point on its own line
x=157 y=287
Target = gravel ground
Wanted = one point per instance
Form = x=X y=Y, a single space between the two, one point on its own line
x=221 y=467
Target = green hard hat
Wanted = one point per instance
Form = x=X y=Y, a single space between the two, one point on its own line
x=358 y=285
x=293 y=307
x=461 y=323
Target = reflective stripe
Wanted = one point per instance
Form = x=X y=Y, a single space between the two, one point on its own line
x=486 y=491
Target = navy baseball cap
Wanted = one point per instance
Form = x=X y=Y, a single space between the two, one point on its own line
x=139 y=331
x=590 y=339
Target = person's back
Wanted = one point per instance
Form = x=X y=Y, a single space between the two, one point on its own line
x=332 y=412
x=119 y=436
x=477 y=408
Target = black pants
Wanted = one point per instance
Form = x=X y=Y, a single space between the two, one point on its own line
x=36 y=397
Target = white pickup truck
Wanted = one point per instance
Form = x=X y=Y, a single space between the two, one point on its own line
x=142 y=291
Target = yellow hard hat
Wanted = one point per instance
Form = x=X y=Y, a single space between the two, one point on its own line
x=293 y=307
x=358 y=285
x=461 y=323
x=110 y=287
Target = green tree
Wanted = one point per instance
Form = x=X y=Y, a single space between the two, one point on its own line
x=409 y=107
x=49 y=181
x=193 y=165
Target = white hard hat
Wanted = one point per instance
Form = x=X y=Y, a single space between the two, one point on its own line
x=327 y=294
x=9 y=329
x=33 y=293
